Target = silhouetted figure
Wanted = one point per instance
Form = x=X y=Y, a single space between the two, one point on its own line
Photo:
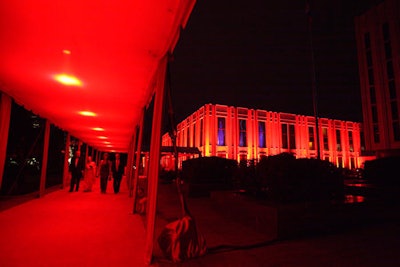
x=118 y=169
x=76 y=168
x=104 y=172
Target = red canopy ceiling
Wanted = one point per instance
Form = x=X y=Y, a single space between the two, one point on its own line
x=112 y=49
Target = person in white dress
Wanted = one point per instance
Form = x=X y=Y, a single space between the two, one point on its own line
x=90 y=174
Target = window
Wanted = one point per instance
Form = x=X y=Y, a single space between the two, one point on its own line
x=374 y=111
x=188 y=137
x=351 y=142
x=325 y=138
x=221 y=132
x=243 y=160
x=362 y=139
x=376 y=133
x=340 y=162
x=194 y=135
x=261 y=134
x=396 y=130
x=395 y=120
x=367 y=41
x=285 y=144
x=338 y=141
x=292 y=137
x=392 y=89
x=394 y=110
x=371 y=76
x=242 y=133
x=372 y=94
x=386 y=32
x=221 y=154
x=352 y=163
x=389 y=70
x=201 y=133
x=311 y=138
x=369 y=58
x=388 y=50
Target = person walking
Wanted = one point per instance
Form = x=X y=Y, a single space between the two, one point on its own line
x=118 y=170
x=76 y=168
x=90 y=173
x=104 y=172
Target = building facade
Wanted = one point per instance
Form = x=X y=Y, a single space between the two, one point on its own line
x=378 y=48
x=247 y=134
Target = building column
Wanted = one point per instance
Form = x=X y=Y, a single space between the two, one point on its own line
x=66 y=164
x=5 y=113
x=154 y=162
x=43 y=174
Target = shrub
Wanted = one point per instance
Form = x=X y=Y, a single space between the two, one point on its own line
x=383 y=171
x=287 y=179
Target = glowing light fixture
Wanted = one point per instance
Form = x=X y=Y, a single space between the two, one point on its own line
x=67 y=52
x=87 y=113
x=102 y=137
x=68 y=80
x=98 y=129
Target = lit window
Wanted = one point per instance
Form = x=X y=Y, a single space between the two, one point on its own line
x=221 y=132
x=261 y=134
x=242 y=133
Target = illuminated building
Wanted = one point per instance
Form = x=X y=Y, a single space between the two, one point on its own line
x=378 y=47
x=248 y=134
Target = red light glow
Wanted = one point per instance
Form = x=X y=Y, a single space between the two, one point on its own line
x=68 y=80
x=98 y=129
x=112 y=49
x=354 y=199
x=87 y=113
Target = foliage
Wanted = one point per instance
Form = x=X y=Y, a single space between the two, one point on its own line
x=383 y=171
x=283 y=178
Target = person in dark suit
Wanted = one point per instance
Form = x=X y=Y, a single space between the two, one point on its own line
x=104 y=170
x=118 y=170
x=76 y=168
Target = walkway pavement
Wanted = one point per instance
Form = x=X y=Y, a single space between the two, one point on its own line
x=93 y=229
x=73 y=229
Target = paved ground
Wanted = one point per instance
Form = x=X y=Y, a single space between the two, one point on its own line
x=72 y=229
x=92 y=229
x=238 y=240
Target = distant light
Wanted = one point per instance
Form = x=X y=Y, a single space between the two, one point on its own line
x=67 y=52
x=87 y=113
x=102 y=137
x=107 y=142
x=98 y=129
x=68 y=80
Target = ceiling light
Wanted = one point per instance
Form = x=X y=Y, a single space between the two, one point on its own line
x=68 y=80
x=98 y=129
x=87 y=113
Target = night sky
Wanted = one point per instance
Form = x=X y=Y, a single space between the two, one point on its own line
x=257 y=54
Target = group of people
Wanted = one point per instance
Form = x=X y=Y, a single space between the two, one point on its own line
x=107 y=170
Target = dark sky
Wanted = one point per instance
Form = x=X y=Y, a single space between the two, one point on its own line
x=257 y=54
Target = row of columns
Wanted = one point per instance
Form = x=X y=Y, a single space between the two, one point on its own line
x=133 y=159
